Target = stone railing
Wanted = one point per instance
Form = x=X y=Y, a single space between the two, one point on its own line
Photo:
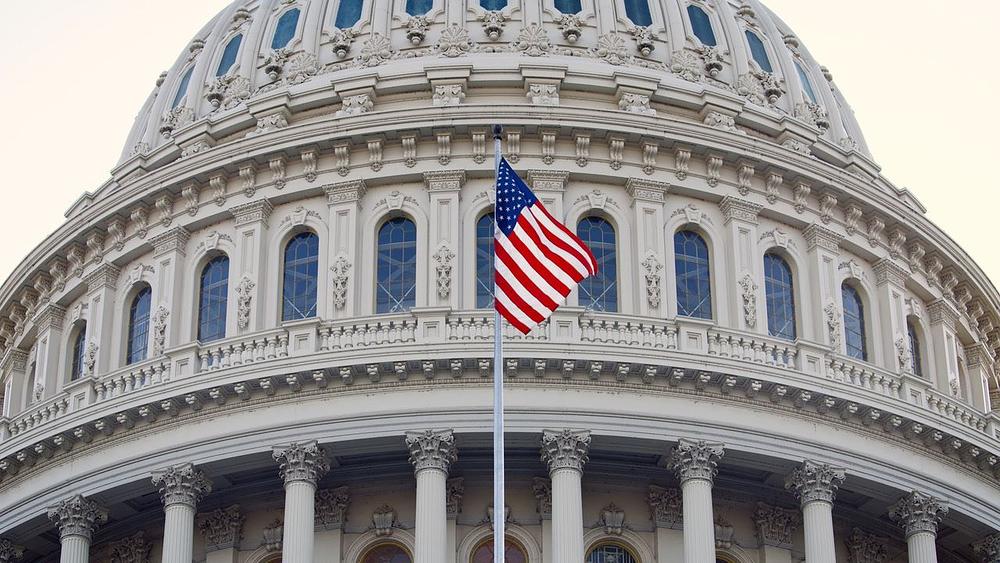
x=234 y=352
x=132 y=378
x=39 y=414
x=752 y=348
x=367 y=332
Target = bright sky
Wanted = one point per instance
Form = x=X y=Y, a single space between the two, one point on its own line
x=920 y=75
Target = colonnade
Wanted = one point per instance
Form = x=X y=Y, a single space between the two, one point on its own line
x=565 y=453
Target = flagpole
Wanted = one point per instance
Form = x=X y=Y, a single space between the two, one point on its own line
x=499 y=505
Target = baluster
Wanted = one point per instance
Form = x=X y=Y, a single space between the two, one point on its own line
x=202 y=360
x=282 y=345
x=271 y=345
x=324 y=339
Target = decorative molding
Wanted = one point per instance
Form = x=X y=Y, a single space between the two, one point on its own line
x=181 y=484
x=749 y=295
x=77 y=516
x=454 y=494
x=695 y=459
x=918 y=513
x=223 y=528
x=133 y=549
x=653 y=267
x=565 y=449
x=255 y=211
x=444 y=180
x=301 y=461
x=612 y=519
x=341 y=277
x=815 y=482
x=384 y=520
x=432 y=449
x=331 y=507
x=739 y=209
x=863 y=547
x=665 y=507
x=775 y=526
x=541 y=488
x=642 y=189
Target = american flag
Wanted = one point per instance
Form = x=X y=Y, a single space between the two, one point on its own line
x=538 y=260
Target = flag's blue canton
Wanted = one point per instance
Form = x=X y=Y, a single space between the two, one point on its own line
x=513 y=195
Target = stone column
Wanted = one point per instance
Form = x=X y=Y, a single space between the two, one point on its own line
x=815 y=485
x=181 y=487
x=918 y=514
x=77 y=518
x=565 y=453
x=300 y=465
x=987 y=549
x=695 y=462
x=9 y=553
x=431 y=453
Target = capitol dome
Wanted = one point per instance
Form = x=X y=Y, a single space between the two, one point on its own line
x=269 y=335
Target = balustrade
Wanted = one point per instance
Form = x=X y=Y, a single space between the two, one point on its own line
x=236 y=352
x=364 y=333
x=846 y=370
x=132 y=378
x=752 y=348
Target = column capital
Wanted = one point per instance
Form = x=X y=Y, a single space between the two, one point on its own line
x=173 y=240
x=301 y=461
x=666 y=507
x=815 y=482
x=819 y=236
x=223 y=528
x=775 y=526
x=77 y=516
x=988 y=549
x=181 y=484
x=918 y=512
x=345 y=192
x=695 y=459
x=444 y=180
x=134 y=549
x=734 y=208
x=541 y=487
x=331 y=507
x=9 y=553
x=565 y=449
x=254 y=212
x=454 y=495
x=863 y=547
x=432 y=449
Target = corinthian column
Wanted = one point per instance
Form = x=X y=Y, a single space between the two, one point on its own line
x=431 y=453
x=565 y=453
x=695 y=462
x=919 y=514
x=300 y=465
x=181 y=487
x=9 y=553
x=816 y=485
x=77 y=518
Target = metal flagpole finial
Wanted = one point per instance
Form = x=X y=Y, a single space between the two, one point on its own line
x=497 y=131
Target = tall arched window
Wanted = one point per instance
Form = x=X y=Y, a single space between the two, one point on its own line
x=807 y=86
x=514 y=553
x=79 y=351
x=758 y=51
x=569 y=6
x=600 y=292
x=694 y=282
x=638 y=12
x=386 y=553
x=182 y=88
x=229 y=55
x=916 y=360
x=301 y=272
x=396 y=282
x=484 y=262
x=611 y=553
x=493 y=5
x=701 y=25
x=212 y=303
x=138 y=326
x=348 y=13
x=418 y=7
x=780 y=296
x=284 y=32
x=854 y=323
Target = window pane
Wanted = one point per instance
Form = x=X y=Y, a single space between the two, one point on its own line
x=182 y=88
x=138 y=326
x=758 y=51
x=284 y=32
x=229 y=55
x=806 y=83
x=396 y=282
x=599 y=292
x=780 y=297
x=79 y=349
x=694 y=283
x=418 y=7
x=638 y=12
x=569 y=6
x=387 y=554
x=701 y=24
x=610 y=553
x=484 y=262
x=212 y=306
x=916 y=362
x=493 y=5
x=300 y=277
x=348 y=13
x=854 y=323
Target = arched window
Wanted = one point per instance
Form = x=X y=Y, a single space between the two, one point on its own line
x=611 y=553
x=348 y=13
x=484 y=262
x=79 y=351
x=229 y=55
x=138 y=326
x=284 y=32
x=569 y=6
x=758 y=51
x=396 y=282
x=916 y=360
x=386 y=553
x=298 y=294
x=182 y=88
x=807 y=86
x=779 y=293
x=694 y=282
x=599 y=292
x=638 y=12
x=701 y=24
x=854 y=323
x=418 y=7
x=493 y=5
x=514 y=553
x=212 y=304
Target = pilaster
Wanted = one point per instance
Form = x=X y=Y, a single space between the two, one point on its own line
x=444 y=189
x=9 y=553
x=51 y=373
x=251 y=233
x=344 y=201
x=169 y=251
x=890 y=282
x=549 y=186
x=944 y=322
x=863 y=547
x=823 y=251
x=745 y=270
x=988 y=549
x=223 y=529
x=101 y=285
x=647 y=210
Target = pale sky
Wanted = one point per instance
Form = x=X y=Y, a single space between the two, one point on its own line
x=920 y=75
